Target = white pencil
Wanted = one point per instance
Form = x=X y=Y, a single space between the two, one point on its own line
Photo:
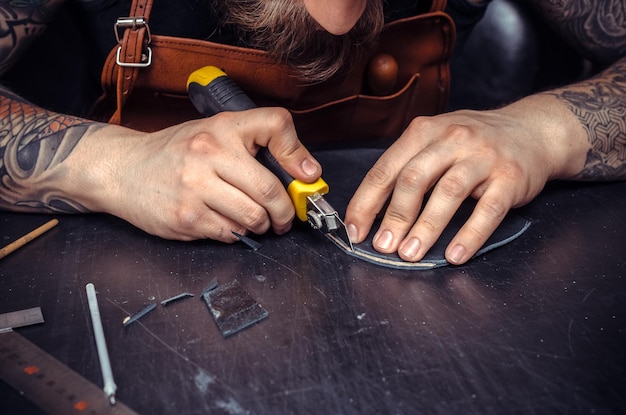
x=105 y=364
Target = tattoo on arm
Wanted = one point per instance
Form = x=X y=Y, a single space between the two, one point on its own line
x=21 y=22
x=600 y=105
x=597 y=28
x=34 y=143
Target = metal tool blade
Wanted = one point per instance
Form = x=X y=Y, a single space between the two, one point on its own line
x=342 y=233
x=323 y=217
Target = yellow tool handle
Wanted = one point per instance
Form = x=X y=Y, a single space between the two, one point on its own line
x=212 y=91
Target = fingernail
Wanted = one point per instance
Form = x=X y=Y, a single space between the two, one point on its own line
x=309 y=167
x=383 y=240
x=353 y=234
x=457 y=253
x=410 y=248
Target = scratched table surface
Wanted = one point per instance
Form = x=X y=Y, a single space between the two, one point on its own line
x=536 y=326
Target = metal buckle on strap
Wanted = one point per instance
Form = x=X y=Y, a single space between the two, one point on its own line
x=133 y=23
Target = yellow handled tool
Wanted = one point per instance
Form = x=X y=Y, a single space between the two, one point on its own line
x=212 y=91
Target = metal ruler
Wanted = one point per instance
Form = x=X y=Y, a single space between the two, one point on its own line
x=21 y=318
x=44 y=380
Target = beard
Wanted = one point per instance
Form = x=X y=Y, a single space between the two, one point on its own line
x=291 y=36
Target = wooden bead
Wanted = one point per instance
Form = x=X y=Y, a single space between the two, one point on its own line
x=382 y=74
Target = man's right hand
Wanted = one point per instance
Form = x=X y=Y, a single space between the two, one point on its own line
x=201 y=179
x=196 y=180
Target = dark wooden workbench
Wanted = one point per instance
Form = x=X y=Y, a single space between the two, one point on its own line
x=536 y=326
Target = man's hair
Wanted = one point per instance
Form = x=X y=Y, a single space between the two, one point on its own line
x=290 y=35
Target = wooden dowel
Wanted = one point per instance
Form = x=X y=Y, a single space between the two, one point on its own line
x=28 y=237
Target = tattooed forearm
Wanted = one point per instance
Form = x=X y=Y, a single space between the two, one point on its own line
x=600 y=105
x=596 y=28
x=34 y=143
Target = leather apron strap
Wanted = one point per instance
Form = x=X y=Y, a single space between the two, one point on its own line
x=133 y=52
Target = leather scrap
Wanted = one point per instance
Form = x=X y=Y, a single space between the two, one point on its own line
x=511 y=228
x=232 y=308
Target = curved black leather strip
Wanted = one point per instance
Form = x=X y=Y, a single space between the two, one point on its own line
x=511 y=228
x=343 y=171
